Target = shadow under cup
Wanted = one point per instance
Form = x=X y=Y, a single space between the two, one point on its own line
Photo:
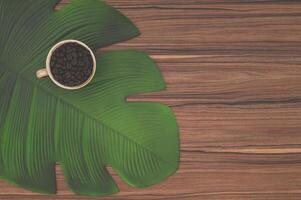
x=70 y=64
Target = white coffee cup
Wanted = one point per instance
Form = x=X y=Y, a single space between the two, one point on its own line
x=45 y=72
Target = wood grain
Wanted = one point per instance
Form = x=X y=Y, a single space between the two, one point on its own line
x=234 y=81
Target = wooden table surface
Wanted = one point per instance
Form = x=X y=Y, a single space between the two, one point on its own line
x=233 y=70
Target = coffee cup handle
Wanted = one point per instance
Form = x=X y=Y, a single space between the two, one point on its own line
x=42 y=73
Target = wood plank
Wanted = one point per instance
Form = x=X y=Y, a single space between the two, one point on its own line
x=233 y=79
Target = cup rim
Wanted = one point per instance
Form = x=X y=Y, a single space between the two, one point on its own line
x=55 y=47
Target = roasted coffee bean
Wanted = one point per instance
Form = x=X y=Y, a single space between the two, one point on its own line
x=55 y=71
x=74 y=62
x=71 y=64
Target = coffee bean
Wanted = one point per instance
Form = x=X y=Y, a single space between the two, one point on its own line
x=69 y=57
x=74 y=55
x=67 y=75
x=54 y=71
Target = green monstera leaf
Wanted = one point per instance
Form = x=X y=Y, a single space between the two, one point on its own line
x=85 y=130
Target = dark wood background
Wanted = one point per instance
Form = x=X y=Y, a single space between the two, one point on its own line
x=233 y=70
